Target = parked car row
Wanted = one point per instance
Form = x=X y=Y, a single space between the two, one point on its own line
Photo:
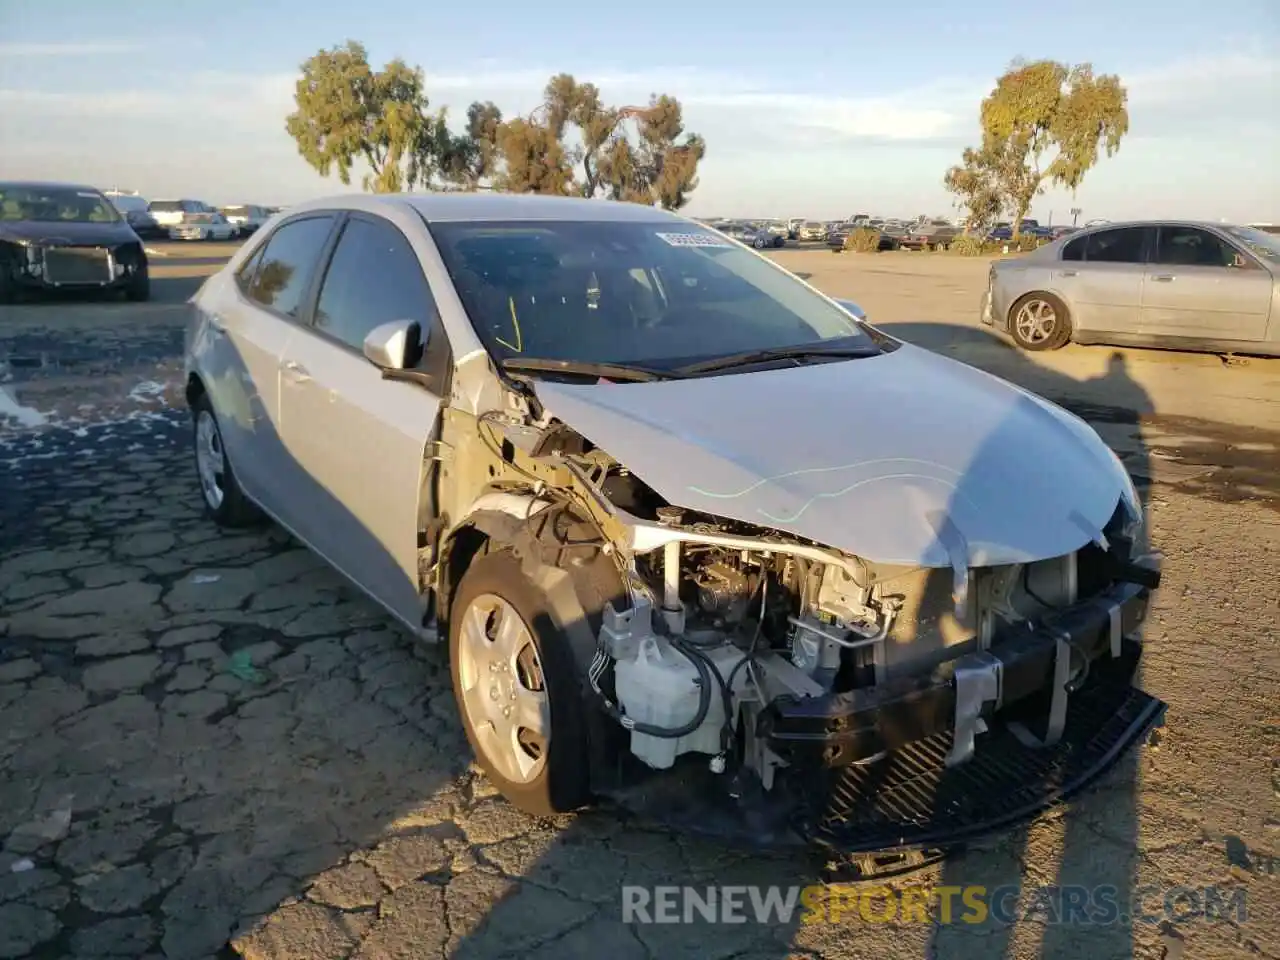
x=761 y=235
x=187 y=219
x=63 y=236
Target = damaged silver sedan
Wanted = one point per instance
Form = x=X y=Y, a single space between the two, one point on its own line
x=702 y=542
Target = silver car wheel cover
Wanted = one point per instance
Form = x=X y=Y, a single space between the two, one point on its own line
x=1036 y=321
x=209 y=459
x=502 y=688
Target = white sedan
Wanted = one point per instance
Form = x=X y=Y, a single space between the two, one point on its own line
x=204 y=226
x=688 y=528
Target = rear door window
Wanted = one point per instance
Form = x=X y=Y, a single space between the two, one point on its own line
x=1121 y=245
x=288 y=264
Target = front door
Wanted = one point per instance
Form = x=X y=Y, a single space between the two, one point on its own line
x=250 y=334
x=1105 y=290
x=1200 y=286
x=360 y=440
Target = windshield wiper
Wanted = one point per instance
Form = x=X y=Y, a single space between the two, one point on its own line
x=585 y=368
x=800 y=352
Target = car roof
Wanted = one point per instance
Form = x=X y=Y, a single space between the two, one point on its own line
x=46 y=185
x=1157 y=222
x=437 y=207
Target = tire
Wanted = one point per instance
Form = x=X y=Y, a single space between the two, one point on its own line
x=541 y=776
x=8 y=288
x=230 y=508
x=758 y=243
x=1045 y=322
x=139 y=287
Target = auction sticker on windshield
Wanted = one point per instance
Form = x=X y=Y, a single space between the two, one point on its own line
x=693 y=240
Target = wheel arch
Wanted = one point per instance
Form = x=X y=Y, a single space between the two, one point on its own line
x=576 y=572
x=195 y=389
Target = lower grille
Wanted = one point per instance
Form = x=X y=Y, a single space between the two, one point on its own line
x=910 y=799
x=77 y=265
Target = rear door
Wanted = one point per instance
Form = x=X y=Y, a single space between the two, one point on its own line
x=362 y=499
x=1105 y=287
x=253 y=329
x=1200 y=286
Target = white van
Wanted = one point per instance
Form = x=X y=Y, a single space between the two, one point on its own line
x=172 y=213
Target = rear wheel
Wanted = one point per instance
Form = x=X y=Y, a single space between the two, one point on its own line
x=224 y=501
x=517 y=689
x=1039 y=321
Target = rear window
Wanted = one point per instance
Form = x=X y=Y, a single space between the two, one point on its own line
x=165 y=206
x=235 y=211
x=127 y=204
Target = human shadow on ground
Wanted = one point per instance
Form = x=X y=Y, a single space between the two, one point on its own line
x=1084 y=845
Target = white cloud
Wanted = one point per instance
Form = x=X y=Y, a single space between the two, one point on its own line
x=241 y=100
x=1234 y=94
x=69 y=49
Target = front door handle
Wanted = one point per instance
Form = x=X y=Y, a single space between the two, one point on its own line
x=1068 y=273
x=295 y=371
x=1163 y=278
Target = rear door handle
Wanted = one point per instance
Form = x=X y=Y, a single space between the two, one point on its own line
x=296 y=372
x=1163 y=278
x=1068 y=273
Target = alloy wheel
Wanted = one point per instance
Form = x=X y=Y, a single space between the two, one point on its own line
x=209 y=459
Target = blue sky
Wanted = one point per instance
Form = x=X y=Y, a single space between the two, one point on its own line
x=816 y=109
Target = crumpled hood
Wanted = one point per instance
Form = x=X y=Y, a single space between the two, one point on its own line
x=67 y=233
x=903 y=458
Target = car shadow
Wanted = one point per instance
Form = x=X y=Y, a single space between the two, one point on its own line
x=1068 y=879
x=1052 y=881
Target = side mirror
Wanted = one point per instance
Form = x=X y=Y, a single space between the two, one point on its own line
x=853 y=308
x=394 y=345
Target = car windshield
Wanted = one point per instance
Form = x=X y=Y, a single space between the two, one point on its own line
x=660 y=294
x=1264 y=245
x=55 y=205
x=235 y=211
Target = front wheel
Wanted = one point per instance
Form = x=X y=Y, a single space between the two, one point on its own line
x=1040 y=321
x=516 y=687
x=138 y=289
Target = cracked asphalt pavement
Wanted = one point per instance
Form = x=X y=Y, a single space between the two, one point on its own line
x=212 y=747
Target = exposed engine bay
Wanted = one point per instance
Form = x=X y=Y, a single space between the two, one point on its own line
x=751 y=652
x=734 y=626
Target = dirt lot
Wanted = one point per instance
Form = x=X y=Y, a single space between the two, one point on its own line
x=207 y=738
